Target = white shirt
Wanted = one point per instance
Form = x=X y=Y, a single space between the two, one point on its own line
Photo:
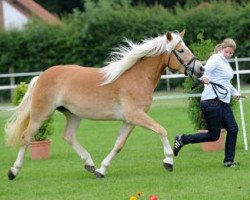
x=218 y=70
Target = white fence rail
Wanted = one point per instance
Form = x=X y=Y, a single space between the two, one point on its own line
x=238 y=72
x=12 y=76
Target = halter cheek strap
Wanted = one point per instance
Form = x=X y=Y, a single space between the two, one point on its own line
x=178 y=57
x=192 y=60
x=187 y=67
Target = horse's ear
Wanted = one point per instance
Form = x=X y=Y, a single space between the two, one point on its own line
x=182 y=33
x=169 y=36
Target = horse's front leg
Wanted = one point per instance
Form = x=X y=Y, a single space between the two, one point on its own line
x=123 y=135
x=140 y=118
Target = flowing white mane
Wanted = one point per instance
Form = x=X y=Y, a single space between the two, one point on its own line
x=125 y=57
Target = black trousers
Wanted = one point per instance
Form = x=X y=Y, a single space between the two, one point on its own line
x=217 y=115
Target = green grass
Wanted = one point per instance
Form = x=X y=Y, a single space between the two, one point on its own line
x=138 y=167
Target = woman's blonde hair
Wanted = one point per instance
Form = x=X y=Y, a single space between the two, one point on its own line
x=228 y=42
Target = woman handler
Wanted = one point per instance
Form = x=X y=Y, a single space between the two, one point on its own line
x=215 y=105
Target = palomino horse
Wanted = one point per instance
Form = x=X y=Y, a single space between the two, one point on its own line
x=122 y=90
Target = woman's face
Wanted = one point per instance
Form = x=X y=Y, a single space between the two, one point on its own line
x=227 y=52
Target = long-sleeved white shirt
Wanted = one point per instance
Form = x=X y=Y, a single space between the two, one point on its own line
x=218 y=70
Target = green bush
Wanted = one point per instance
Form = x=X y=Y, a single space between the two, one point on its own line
x=47 y=128
x=104 y=26
x=202 y=50
x=19 y=93
x=86 y=38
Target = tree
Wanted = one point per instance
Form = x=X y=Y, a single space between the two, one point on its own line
x=60 y=7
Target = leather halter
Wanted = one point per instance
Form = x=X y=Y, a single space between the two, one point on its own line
x=189 y=70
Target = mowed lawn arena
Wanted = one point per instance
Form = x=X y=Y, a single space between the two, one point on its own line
x=137 y=168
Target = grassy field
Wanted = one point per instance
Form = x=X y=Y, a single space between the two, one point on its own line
x=138 y=168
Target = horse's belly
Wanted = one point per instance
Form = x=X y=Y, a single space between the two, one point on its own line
x=99 y=112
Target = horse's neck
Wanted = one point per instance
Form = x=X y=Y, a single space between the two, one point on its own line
x=152 y=68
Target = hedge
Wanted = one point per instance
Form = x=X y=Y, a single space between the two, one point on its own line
x=86 y=38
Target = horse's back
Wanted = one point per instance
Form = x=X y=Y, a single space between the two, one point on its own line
x=64 y=75
x=77 y=89
x=65 y=72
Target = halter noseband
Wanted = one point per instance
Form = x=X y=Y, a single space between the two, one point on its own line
x=187 y=65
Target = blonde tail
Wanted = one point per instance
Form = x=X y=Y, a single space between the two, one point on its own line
x=18 y=122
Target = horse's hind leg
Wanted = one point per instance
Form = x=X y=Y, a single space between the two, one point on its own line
x=123 y=135
x=73 y=122
x=15 y=169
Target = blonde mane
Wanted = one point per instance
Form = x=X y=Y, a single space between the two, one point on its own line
x=125 y=57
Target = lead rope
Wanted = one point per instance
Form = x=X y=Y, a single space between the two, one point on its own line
x=215 y=87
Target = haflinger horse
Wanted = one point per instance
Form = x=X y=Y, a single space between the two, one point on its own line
x=122 y=91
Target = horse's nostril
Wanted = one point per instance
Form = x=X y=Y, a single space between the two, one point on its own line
x=202 y=69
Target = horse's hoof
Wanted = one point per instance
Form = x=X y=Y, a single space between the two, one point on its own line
x=11 y=175
x=90 y=168
x=168 y=167
x=98 y=175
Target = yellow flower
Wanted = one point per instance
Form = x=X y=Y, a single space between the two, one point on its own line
x=132 y=198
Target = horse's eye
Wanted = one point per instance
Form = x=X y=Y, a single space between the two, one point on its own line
x=181 y=50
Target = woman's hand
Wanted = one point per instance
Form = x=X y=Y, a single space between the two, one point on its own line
x=239 y=96
x=205 y=80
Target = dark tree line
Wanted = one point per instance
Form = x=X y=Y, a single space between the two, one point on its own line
x=63 y=7
x=165 y=3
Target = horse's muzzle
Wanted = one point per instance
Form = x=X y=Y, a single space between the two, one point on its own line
x=198 y=70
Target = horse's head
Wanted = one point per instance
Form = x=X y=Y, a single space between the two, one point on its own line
x=180 y=58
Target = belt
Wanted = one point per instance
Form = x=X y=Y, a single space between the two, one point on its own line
x=215 y=100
